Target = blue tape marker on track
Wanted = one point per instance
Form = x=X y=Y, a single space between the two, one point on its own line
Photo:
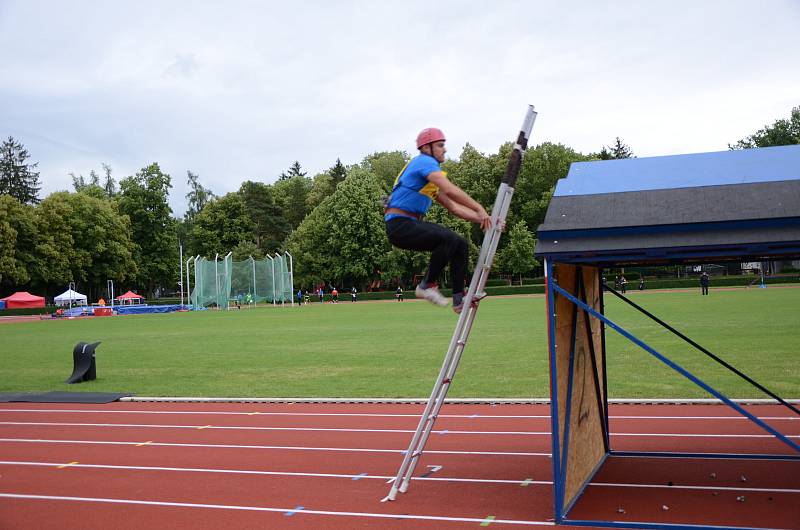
x=359 y=476
x=293 y=511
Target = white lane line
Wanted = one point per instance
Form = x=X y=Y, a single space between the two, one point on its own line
x=266 y=473
x=274 y=510
x=384 y=478
x=368 y=415
x=273 y=447
x=250 y=428
x=403 y=431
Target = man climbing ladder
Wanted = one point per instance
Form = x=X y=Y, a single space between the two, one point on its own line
x=467 y=315
x=416 y=187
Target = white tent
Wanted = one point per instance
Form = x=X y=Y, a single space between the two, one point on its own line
x=65 y=297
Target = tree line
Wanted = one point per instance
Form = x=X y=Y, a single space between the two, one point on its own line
x=331 y=223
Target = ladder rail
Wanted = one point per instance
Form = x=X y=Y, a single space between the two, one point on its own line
x=464 y=325
x=455 y=349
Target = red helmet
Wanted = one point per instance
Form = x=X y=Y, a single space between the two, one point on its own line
x=428 y=136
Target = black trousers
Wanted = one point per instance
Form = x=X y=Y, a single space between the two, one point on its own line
x=445 y=246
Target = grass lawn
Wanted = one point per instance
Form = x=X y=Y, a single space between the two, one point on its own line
x=390 y=349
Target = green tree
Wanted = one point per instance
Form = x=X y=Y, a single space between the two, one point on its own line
x=338 y=172
x=197 y=197
x=246 y=249
x=90 y=186
x=782 y=132
x=541 y=169
x=295 y=170
x=386 y=165
x=110 y=185
x=270 y=228
x=291 y=196
x=222 y=225
x=477 y=174
x=357 y=230
x=80 y=183
x=620 y=150
x=144 y=199
x=83 y=239
x=17 y=177
x=322 y=186
x=517 y=256
x=18 y=237
x=343 y=239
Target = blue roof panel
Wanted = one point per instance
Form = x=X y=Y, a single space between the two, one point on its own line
x=746 y=166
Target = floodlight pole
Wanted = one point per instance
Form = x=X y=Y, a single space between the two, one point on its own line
x=291 y=276
x=273 y=279
x=180 y=265
x=227 y=275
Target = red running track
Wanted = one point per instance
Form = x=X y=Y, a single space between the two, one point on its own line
x=213 y=465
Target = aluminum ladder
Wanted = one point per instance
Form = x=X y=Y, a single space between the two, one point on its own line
x=484 y=264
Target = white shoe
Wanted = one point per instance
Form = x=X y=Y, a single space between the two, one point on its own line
x=431 y=294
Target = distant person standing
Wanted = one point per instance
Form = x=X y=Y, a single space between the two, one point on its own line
x=321 y=294
x=353 y=294
x=704 y=283
x=334 y=296
x=641 y=283
x=399 y=294
x=299 y=297
x=622 y=283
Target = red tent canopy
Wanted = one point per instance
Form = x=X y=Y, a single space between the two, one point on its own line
x=129 y=296
x=23 y=299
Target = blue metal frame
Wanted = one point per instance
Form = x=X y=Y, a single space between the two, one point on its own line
x=664 y=526
x=731 y=456
x=555 y=438
x=560 y=460
x=682 y=371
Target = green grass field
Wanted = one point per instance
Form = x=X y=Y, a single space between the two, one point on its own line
x=389 y=349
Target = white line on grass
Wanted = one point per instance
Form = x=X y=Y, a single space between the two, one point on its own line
x=403 y=431
x=274 y=510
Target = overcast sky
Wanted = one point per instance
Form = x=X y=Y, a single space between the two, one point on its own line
x=239 y=90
